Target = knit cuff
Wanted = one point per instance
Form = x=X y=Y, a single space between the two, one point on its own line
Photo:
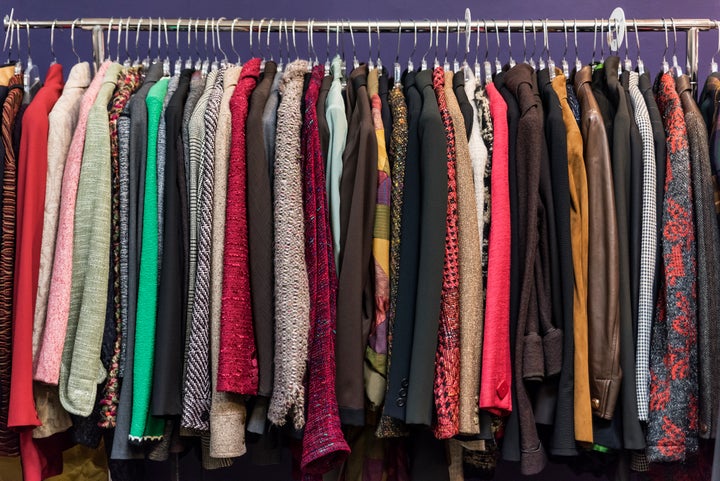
x=533 y=364
x=227 y=428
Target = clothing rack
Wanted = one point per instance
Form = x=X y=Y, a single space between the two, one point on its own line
x=692 y=27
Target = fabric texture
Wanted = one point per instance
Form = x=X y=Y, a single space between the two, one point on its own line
x=447 y=359
x=673 y=412
x=337 y=126
x=292 y=297
x=237 y=362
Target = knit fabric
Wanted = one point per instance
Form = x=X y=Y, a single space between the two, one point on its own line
x=50 y=353
x=292 y=299
x=196 y=380
x=227 y=410
x=447 y=358
x=324 y=446
x=389 y=426
x=123 y=128
x=143 y=426
x=111 y=391
x=62 y=120
x=647 y=250
x=673 y=412
x=469 y=269
x=496 y=364
x=161 y=149
x=8 y=439
x=81 y=370
x=237 y=364
x=376 y=350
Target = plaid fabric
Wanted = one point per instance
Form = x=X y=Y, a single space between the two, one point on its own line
x=648 y=247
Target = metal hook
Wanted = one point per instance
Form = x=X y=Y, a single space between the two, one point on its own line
x=232 y=39
x=261 y=54
x=267 y=41
x=437 y=42
x=150 y=24
x=666 y=44
x=457 y=42
x=534 y=31
x=250 y=34
x=411 y=66
x=371 y=65
x=352 y=39
x=217 y=27
x=397 y=53
x=602 y=43
x=52 y=41
x=447 y=35
x=594 y=39
x=8 y=32
x=713 y=63
x=72 y=39
x=177 y=37
x=327 y=44
x=107 y=41
x=127 y=38
x=137 y=41
x=512 y=61
x=564 y=57
x=309 y=41
x=205 y=41
x=379 y=59
x=297 y=56
x=525 y=60
x=672 y=20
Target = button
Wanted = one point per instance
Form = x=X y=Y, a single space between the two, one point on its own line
x=400 y=402
x=703 y=428
x=405 y=383
x=502 y=390
x=402 y=393
x=205 y=416
x=476 y=421
x=595 y=403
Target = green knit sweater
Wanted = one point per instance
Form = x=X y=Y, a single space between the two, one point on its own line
x=143 y=425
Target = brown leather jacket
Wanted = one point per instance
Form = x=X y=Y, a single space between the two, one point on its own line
x=603 y=276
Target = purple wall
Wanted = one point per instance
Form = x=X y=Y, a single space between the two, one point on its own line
x=652 y=47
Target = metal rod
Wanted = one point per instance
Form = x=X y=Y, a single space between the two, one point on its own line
x=643 y=25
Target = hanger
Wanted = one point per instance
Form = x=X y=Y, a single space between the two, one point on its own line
x=541 y=61
x=8 y=32
x=476 y=65
x=713 y=63
x=379 y=60
x=628 y=62
x=52 y=43
x=137 y=41
x=261 y=54
x=436 y=62
x=232 y=39
x=267 y=45
x=564 y=62
x=32 y=75
x=511 y=62
x=456 y=63
x=532 y=55
x=119 y=37
x=498 y=65
x=550 y=61
x=578 y=63
x=72 y=39
x=676 y=65
x=602 y=44
x=127 y=62
x=326 y=66
x=297 y=55
x=410 y=64
x=280 y=45
x=159 y=40
x=166 y=60
x=18 y=64
x=178 y=60
x=356 y=64
x=205 y=66
x=594 y=40
x=665 y=65
x=446 y=65
x=146 y=61
x=468 y=38
x=340 y=40
x=215 y=63
x=287 y=44
x=311 y=62
x=397 y=69
x=640 y=64
x=370 y=63
x=525 y=59
x=107 y=41
x=486 y=63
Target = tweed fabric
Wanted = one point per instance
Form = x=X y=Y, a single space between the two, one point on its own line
x=376 y=349
x=227 y=410
x=707 y=261
x=196 y=401
x=447 y=358
x=237 y=362
x=673 y=415
x=482 y=103
x=648 y=249
x=123 y=128
x=388 y=426
x=323 y=445
x=496 y=374
x=8 y=439
x=469 y=269
x=292 y=305
x=81 y=369
x=143 y=426
x=111 y=391
x=50 y=353
x=62 y=120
